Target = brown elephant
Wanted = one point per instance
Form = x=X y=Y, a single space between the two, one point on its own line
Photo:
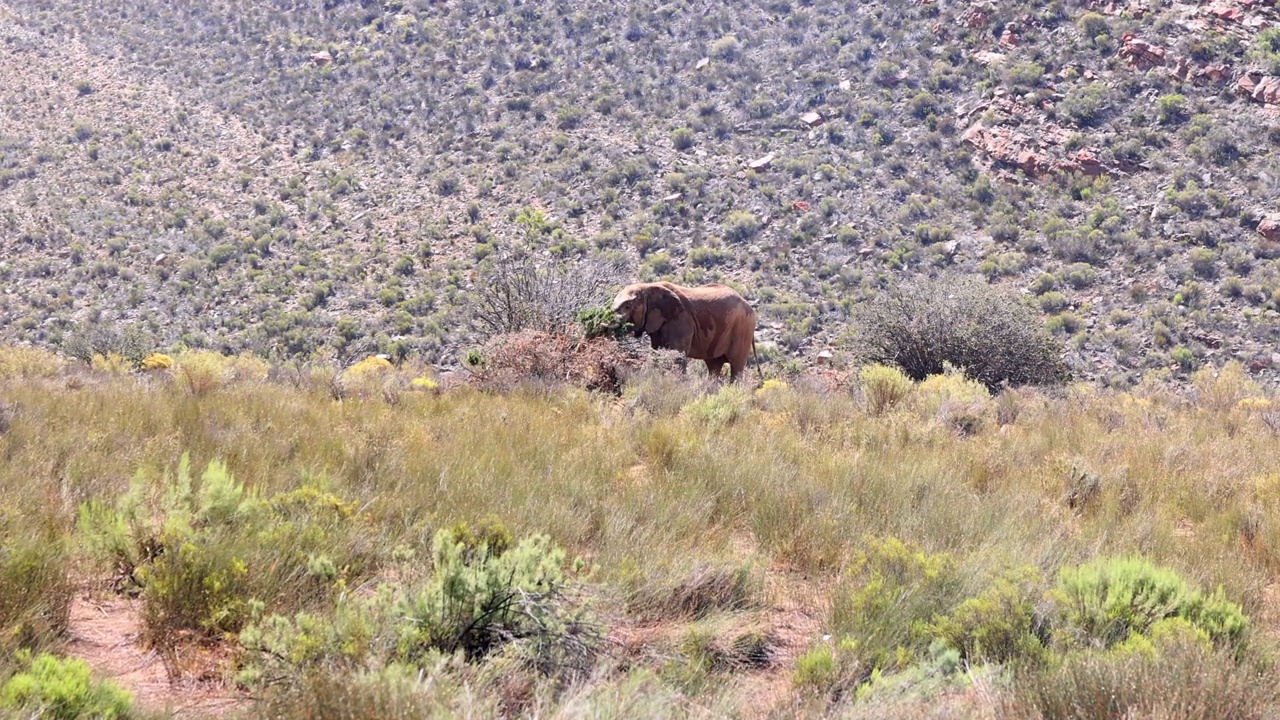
x=710 y=323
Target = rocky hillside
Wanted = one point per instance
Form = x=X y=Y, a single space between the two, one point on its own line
x=334 y=176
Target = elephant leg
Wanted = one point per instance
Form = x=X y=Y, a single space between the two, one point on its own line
x=714 y=366
x=735 y=369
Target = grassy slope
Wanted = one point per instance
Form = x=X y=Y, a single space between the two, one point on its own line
x=283 y=193
x=656 y=497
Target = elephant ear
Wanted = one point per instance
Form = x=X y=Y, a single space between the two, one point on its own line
x=661 y=306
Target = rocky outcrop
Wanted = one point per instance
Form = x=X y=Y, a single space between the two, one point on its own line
x=1259 y=87
x=1140 y=53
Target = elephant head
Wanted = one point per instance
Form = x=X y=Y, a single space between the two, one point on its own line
x=647 y=306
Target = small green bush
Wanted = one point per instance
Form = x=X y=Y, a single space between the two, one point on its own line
x=602 y=322
x=997 y=625
x=201 y=556
x=884 y=387
x=50 y=687
x=682 y=139
x=484 y=593
x=1107 y=600
x=720 y=408
x=889 y=594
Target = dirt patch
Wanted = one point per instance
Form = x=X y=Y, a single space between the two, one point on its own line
x=105 y=633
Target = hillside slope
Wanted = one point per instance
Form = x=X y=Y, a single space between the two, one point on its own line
x=303 y=176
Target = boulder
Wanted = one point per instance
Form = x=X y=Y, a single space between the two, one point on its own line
x=812 y=119
x=1259 y=87
x=1141 y=53
x=1269 y=228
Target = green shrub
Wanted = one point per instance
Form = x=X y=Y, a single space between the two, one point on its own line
x=829 y=670
x=1105 y=601
x=1172 y=109
x=48 y=687
x=979 y=328
x=997 y=625
x=888 y=595
x=883 y=387
x=682 y=139
x=721 y=408
x=202 y=556
x=484 y=593
x=601 y=322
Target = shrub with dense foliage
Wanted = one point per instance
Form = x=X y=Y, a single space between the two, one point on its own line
x=982 y=329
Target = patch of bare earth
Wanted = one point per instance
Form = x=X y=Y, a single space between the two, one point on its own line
x=790 y=617
x=793 y=622
x=106 y=632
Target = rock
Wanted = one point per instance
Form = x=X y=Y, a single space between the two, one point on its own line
x=761 y=163
x=986 y=57
x=1259 y=87
x=800 y=206
x=1225 y=12
x=321 y=58
x=977 y=16
x=702 y=63
x=673 y=197
x=1140 y=53
x=812 y=119
x=1269 y=228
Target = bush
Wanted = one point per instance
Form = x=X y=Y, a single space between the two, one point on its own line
x=516 y=294
x=25 y=362
x=1181 y=680
x=203 y=371
x=602 y=322
x=682 y=139
x=203 y=556
x=550 y=359
x=721 y=408
x=981 y=329
x=887 y=596
x=62 y=689
x=883 y=387
x=997 y=625
x=485 y=592
x=1106 y=601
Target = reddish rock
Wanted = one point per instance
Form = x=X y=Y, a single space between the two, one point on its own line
x=1269 y=228
x=976 y=17
x=800 y=205
x=1140 y=53
x=1261 y=88
x=321 y=58
x=1225 y=12
x=1214 y=73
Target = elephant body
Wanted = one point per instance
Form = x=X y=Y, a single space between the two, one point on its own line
x=711 y=323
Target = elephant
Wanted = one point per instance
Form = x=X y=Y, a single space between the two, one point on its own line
x=710 y=322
